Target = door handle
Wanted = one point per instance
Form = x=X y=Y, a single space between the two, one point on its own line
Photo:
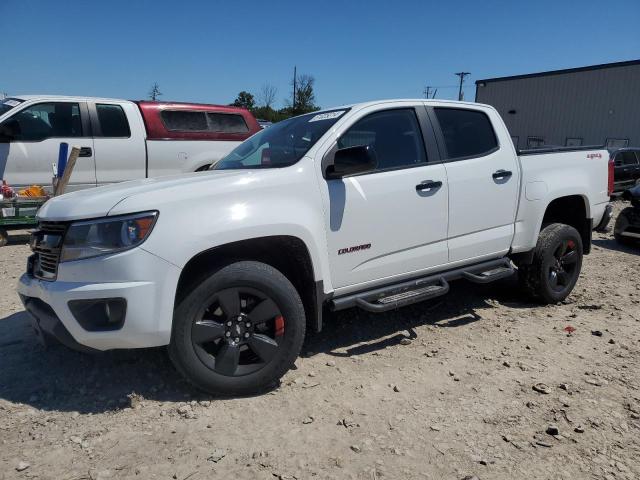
x=428 y=185
x=85 y=152
x=500 y=174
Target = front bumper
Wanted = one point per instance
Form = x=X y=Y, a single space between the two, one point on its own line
x=48 y=327
x=147 y=283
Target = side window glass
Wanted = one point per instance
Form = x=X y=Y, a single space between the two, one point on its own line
x=618 y=160
x=628 y=158
x=394 y=135
x=467 y=133
x=227 y=123
x=184 y=121
x=47 y=120
x=113 y=121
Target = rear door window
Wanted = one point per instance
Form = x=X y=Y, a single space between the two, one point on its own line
x=113 y=121
x=467 y=133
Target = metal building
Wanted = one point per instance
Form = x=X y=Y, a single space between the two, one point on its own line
x=596 y=105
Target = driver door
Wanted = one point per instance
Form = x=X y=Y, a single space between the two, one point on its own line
x=37 y=131
x=390 y=222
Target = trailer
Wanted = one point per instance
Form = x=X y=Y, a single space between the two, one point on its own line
x=18 y=214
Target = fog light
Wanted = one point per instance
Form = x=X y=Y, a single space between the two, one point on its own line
x=99 y=314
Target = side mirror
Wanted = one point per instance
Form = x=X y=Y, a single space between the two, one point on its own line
x=352 y=160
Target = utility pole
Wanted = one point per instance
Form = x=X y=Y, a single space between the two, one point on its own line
x=461 y=75
x=427 y=92
x=295 y=80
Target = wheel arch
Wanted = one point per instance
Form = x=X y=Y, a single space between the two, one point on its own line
x=573 y=210
x=288 y=254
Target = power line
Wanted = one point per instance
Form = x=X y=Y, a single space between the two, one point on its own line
x=461 y=75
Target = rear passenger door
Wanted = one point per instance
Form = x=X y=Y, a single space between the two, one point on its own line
x=119 y=143
x=484 y=181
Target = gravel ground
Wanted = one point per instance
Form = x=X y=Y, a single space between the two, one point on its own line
x=481 y=383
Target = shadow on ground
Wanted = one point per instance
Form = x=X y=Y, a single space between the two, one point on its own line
x=612 y=244
x=59 y=379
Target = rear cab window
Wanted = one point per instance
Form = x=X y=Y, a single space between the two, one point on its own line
x=467 y=133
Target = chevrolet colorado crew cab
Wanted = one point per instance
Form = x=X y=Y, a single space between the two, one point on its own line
x=119 y=139
x=375 y=206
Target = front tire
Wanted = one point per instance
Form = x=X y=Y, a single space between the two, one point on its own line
x=239 y=331
x=556 y=265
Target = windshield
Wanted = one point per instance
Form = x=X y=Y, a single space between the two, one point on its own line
x=282 y=144
x=7 y=104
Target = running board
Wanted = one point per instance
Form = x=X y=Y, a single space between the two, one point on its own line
x=401 y=294
x=491 y=275
x=402 y=298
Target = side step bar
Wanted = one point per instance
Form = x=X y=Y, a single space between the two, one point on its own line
x=398 y=295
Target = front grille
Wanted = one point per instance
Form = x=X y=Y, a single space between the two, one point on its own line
x=46 y=243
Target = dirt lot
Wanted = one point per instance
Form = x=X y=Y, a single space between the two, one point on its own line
x=435 y=391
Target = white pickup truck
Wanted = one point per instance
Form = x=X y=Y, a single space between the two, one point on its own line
x=120 y=140
x=376 y=206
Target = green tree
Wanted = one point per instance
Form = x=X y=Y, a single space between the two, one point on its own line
x=245 y=100
x=155 y=92
x=305 y=98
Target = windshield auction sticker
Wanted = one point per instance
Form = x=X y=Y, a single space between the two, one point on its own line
x=11 y=103
x=327 y=116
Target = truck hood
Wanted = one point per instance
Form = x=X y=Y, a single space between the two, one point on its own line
x=98 y=202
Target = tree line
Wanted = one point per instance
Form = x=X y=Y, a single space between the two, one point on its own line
x=303 y=100
x=263 y=105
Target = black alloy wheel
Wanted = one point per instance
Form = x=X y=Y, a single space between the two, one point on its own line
x=555 y=266
x=238 y=332
x=563 y=269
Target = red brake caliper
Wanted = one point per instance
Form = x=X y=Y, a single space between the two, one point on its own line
x=279 y=326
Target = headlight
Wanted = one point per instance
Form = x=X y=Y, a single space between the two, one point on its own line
x=92 y=238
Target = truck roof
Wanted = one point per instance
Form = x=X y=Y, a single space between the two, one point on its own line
x=66 y=97
x=395 y=100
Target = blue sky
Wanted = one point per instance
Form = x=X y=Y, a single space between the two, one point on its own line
x=207 y=51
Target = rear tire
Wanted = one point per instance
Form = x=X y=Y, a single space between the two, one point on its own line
x=622 y=223
x=4 y=237
x=238 y=331
x=556 y=264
